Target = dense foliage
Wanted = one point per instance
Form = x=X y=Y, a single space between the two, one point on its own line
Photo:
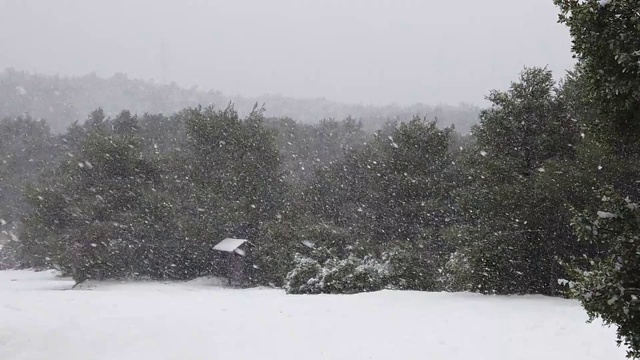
x=605 y=40
x=411 y=206
x=610 y=288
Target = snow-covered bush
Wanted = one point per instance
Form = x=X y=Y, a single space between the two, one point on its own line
x=304 y=278
x=335 y=276
x=353 y=275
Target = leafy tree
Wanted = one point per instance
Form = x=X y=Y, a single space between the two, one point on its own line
x=236 y=164
x=27 y=146
x=93 y=219
x=610 y=288
x=604 y=35
x=393 y=193
x=526 y=125
x=605 y=42
x=518 y=227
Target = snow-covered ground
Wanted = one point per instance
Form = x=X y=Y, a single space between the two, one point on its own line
x=40 y=318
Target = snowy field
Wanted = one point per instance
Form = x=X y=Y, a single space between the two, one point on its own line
x=40 y=318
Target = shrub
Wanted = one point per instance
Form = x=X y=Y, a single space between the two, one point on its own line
x=410 y=268
x=335 y=276
x=304 y=278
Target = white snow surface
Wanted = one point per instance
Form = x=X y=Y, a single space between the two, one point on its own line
x=229 y=245
x=41 y=318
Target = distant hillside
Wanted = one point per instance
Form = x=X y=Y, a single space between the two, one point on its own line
x=63 y=100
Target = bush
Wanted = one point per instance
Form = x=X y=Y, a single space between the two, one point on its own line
x=347 y=276
x=305 y=276
x=353 y=275
x=411 y=268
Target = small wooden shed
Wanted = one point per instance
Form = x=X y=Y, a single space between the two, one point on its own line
x=235 y=252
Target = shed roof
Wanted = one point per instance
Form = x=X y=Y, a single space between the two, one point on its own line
x=229 y=245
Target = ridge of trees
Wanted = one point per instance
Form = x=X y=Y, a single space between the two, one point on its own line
x=429 y=208
x=63 y=100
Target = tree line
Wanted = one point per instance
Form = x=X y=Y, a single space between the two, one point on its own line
x=60 y=100
x=429 y=208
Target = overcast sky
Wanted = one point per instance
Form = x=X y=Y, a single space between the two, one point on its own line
x=363 y=51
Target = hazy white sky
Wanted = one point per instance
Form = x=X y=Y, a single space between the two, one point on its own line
x=365 y=51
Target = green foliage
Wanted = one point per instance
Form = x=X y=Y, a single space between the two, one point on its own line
x=609 y=285
x=273 y=255
x=236 y=162
x=96 y=216
x=128 y=200
x=40 y=239
x=392 y=192
x=605 y=42
x=149 y=196
x=518 y=221
x=526 y=125
x=26 y=148
x=458 y=273
x=412 y=267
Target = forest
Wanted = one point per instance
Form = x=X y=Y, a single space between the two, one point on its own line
x=540 y=197
x=62 y=100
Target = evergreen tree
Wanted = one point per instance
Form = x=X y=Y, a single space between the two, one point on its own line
x=605 y=37
x=518 y=228
x=27 y=146
x=610 y=288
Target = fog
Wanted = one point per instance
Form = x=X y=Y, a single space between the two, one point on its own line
x=357 y=51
